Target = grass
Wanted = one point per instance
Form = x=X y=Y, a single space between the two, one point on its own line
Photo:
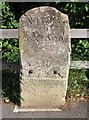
x=78 y=83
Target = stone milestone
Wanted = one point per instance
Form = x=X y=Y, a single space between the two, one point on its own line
x=44 y=39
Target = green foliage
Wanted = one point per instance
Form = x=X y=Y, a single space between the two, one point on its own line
x=10 y=47
x=10 y=50
x=8 y=18
x=80 y=49
x=78 y=16
x=78 y=13
x=78 y=83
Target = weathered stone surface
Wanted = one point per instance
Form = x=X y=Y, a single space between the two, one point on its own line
x=44 y=36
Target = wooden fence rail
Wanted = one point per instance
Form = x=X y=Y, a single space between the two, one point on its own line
x=75 y=33
x=15 y=65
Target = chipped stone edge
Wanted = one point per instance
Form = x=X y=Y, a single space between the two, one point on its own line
x=17 y=109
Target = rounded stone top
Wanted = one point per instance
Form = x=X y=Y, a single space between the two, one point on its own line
x=45 y=9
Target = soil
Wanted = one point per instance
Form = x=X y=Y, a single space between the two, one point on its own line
x=73 y=101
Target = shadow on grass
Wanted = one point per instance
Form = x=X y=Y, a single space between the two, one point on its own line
x=11 y=86
x=87 y=73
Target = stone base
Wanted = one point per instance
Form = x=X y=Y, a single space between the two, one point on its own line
x=45 y=93
x=17 y=109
